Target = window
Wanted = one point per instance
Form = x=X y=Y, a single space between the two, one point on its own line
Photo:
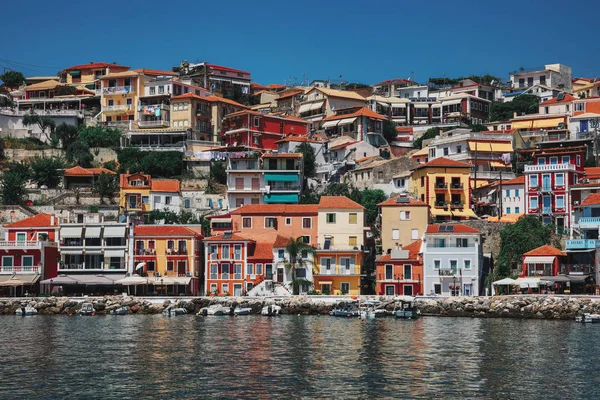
x=270 y=222
x=533 y=203
x=414 y=234
x=436 y=264
x=330 y=218
x=225 y=271
x=247 y=222
x=546 y=110
x=507 y=210
x=345 y=287
x=301 y=273
x=259 y=269
x=306 y=223
x=111 y=102
x=237 y=252
x=249 y=269
x=152 y=90
x=167 y=200
x=225 y=252
x=422 y=181
x=213 y=287
x=225 y=288
x=533 y=181
x=353 y=241
x=467 y=264
x=445 y=151
x=560 y=201
x=305 y=239
x=553 y=160
x=517 y=210
x=580 y=107
x=187 y=203
x=161 y=89
x=437 y=288
x=237 y=271
x=346 y=263
x=578 y=160
x=404 y=215
x=407 y=271
x=560 y=179
x=170 y=266
x=304 y=254
x=566 y=159
x=27 y=261
x=462 y=242
x=508 y=193
x=458 y=149
x=21 y=237
x=516 y=192
x=256 y=121
x=170 y=244
x=288 y=221
x=395 y=234
x=352 y=218
x=281 y=254
x=453 y=264
x=389 y=271
x=150 y=266
x=541 y=161
x=542 y=79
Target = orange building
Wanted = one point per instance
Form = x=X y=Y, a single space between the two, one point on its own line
x=400 y=272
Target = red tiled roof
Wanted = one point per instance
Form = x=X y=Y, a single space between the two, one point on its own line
x=275 y=86
x=444 y=162
x=281 y=241
x=338 y=202
x=545 y=250
x=255 y=85
x=282 y=155
x=94 y=65
x=154 y=72
x=413 y=252
x=261 y=251
x=233 y=237
x=165 y=185
x=224 y=100
x=568 y=98
x=393 y=81
x=222 y=68
x=80 y=171
x=36 y=221
x=342 y=145
x=592 y=200
x=292 y=93
x=519 y=180
x=276 y=209
x=189 y=95
x=592 y=171
x=393 y=202
x=458 y=228
x=294 y=118
x=362 y=112
x=162 y=230
x=296 y=138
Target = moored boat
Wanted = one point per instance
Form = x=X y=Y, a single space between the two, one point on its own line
x=26 y=311
x=242 y=311
x=271 y=310
x=216 y=310
x=348 y=310
x=87 y=309
x=370 y=309
x=588 y=318
x=119 y=311
x=173 y=311
x=407 y=310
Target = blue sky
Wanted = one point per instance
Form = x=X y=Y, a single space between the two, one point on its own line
x=364 y=41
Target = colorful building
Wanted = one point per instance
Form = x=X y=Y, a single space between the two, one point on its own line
x=400 y=272
x=443 y=184
x=320 y=103
x=340 y=246
x=79 y=177
x=543 y=261
x=360 y=123
x=139 y=193
x=403 y=220
x=170 y=256
x=89 y=74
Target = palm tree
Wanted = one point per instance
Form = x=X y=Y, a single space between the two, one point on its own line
x=295 y=248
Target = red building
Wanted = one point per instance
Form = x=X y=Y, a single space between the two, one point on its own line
x=260 y=131
x=29 y=253
x=400 y=272
x=542 y=261
x=548 y=180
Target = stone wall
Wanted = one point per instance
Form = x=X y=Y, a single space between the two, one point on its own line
x=103 y=154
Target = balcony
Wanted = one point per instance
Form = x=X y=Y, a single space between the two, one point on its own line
x=547 y=210
x=457 y=205
x=441 y=187
x=20 y=244
x=20 y=270
x=154 y=124
x=574 y=244
x=446 y=245
x=447 y=272
x=117 y=90
x=547 y=271
x=546 y=188
x=589 y=222
x=176 y=252
x=441 y=204
x=285 y=188
x=549 y=168
x=456 y=186
x=145 y=252
x=121 y=107
x=576 y=269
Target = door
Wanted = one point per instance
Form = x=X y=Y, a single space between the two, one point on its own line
x=239 y=183
x=21 y=237
x=408 y=290
x=269 y=271
x=237 y=290
x=546 y=182
x=255 y=184
x=280 y=275
x=389 y=290
x=547 y=204
x=181 y=268
x=583 y=126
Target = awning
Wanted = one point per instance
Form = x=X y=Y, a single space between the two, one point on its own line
x=235 y=82
x=133 y=280
x=467 y=212
x=440 y=212
x=493 y=219
x=487 y=147
x=497 y=164
x=329 y=124
x=70 y=232
x=171 y=280
x=505 y=281
x=60 y=280
x=281 y=177
x=347 y=121
x=84 y=279
x=182 y=280
x=75 y=73
x=539 y=260
x=92 y=232
x=304 y=108
x=579 y=251
x=548 y=123
x=326 y=283
x=421 y=105
x=317 y=105
x=19 y=280
x=511 y=217
x=291 y=198
x=450 y=102
x=521 y=125
x=114 y=253
x=114 y=231
x=558 y=278
x=69 y=251
x=525 y=283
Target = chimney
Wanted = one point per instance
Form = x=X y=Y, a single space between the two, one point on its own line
x=52 y=220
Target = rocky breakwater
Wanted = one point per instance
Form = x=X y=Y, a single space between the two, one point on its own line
x=526 y=307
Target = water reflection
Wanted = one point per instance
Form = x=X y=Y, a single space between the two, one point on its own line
x=135 y=357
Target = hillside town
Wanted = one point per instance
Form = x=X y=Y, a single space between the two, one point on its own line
x=199 y=181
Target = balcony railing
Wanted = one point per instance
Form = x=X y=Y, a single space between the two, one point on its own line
x=589 y=221
x=457 y=204
x=120 y=107
x=117 y=90
x=573 y=244
x=448 y=245
x=456 y=186
x=441 y=186
x=283 y=188
x=547 y=210
x=447 y=272
x=549 y=167
x=20 y=270
x=145 y=252
x=546 y=188
x=176 y=252
x=441 y=204
x=156 y=123
x=539 y=272
x=19 y=243
x=577 y=269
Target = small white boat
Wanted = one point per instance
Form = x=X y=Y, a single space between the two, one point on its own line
x=25 y=311
x=172 y=311
x=242 y=311
x=215 y=310
x=369 y=309
x=588 y=318
x=119 y=311
x=271 y=311
x=87 y=309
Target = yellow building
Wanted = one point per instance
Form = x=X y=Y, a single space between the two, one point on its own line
x=135 y=192
x=169 y=256
x=340 y=234
x=443 y=184
x=403 y=220
x=120 y=93
x=89 y=74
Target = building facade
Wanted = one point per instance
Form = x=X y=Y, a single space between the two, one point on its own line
x=403 y=220
x=400 y=272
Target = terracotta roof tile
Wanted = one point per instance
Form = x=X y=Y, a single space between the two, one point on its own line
x=413 y=252
x=80 y=171
x=361 y=112
x=226 y=101
x=520 y=180
x=234 y=237
x=444 y=162
x=162 y=230
x=281 y=241
x=155 y=72
x=412 y=202
x=94 y=65
x=165 y=185
x=222 y=68
x=282 y=155
x=261 y=251
x=545 y=250
x=458 y=228
x=36 y=221
x=592 y=200
x=567 y=99
x=338 y=202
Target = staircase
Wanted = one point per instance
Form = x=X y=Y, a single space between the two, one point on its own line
x=269 y=288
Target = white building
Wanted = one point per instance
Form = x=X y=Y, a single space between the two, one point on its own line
x=556 y=76
x=452 y=260
x=513 y=196
x=165 y=195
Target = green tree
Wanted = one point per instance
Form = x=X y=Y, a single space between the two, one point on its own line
x=310 y=197
x=337 y=189
x=429 y=134
x=522 y=104
x=78 y=153
x=106 y=185
x=295 y=248
x=100 y=136
x=110 y=165
x=13 y=188
x=478 y=128
x=218 y=173
x=525 y=235
x=47 y=125
x=389 y=131
x=370 y=199
x=21 y=168
x=64 y=90
x=129 y=160
x=308 y=154
x=67 y=134
x=47 y=171
x=162 y=164
x=12 y=79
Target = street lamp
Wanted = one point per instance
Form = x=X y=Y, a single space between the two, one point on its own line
x=454 y=286
x=161 y=284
